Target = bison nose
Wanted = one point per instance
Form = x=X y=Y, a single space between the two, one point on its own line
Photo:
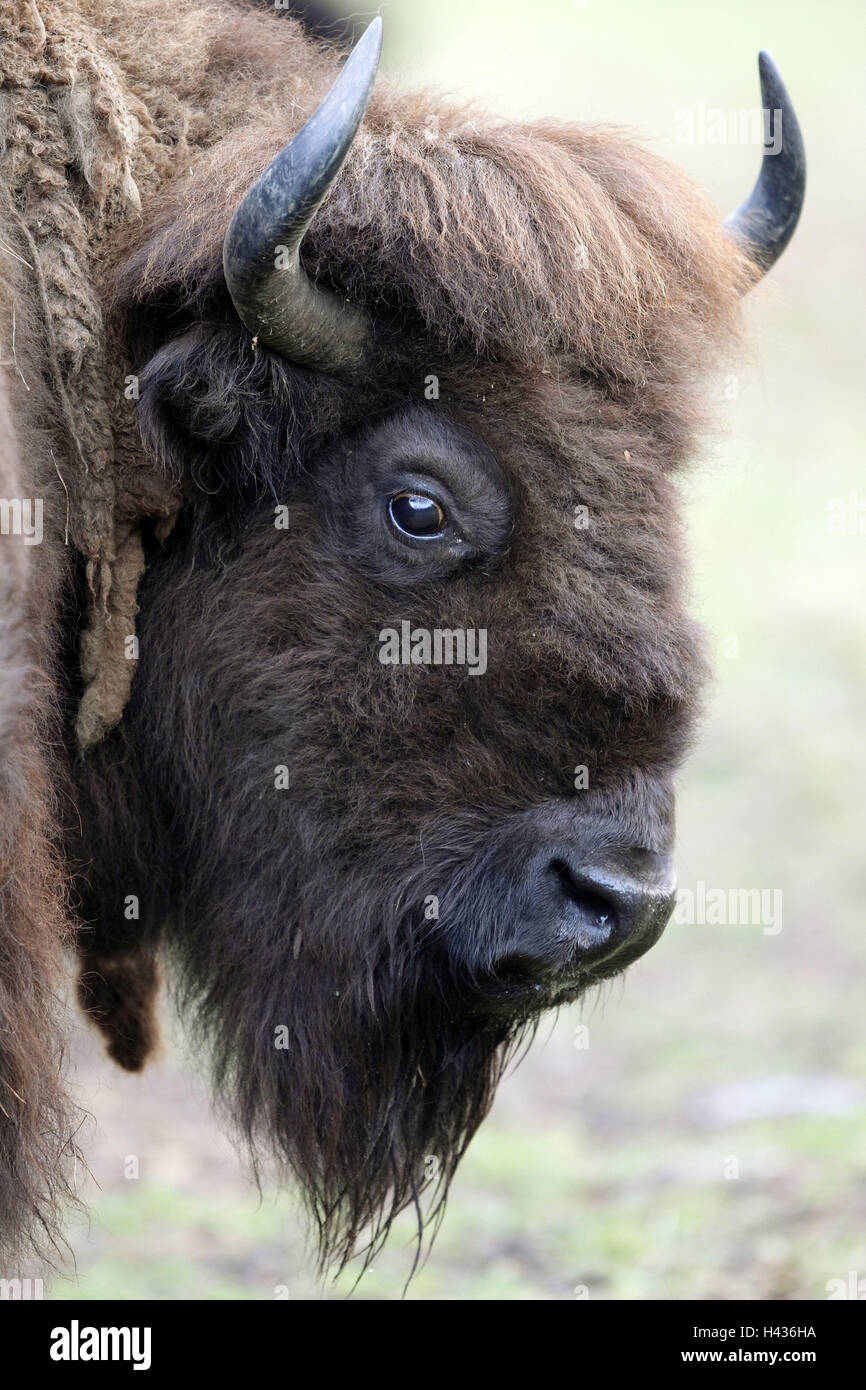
x=585 y=915
x=605 y=908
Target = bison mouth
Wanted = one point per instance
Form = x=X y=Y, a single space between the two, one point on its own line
x=518 y=986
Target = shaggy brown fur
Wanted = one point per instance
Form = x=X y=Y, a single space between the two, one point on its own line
x=567 y=289
x=36 y=1121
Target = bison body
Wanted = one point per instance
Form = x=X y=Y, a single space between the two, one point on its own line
x=447 y=394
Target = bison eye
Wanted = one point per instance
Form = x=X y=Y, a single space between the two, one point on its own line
x=415 y=514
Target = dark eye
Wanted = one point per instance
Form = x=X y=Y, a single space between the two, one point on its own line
x=415 y=514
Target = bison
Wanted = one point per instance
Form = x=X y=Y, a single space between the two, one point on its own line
x=346 y=660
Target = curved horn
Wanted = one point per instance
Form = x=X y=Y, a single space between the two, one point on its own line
x=764 y=224
x=276 y=300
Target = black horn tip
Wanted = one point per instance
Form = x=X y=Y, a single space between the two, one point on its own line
x=764 y=224
x=276 y=301
x=356 y=79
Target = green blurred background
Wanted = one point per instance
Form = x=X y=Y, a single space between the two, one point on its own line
x=709 y=1142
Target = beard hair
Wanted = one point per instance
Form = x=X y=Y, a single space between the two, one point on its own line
x=362 y=1068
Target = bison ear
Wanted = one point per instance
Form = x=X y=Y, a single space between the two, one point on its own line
x=191 y=402
x=214 y=413
x=764 y=224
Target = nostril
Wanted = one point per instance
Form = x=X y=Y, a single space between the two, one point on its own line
x=576 y=917
x=591 y=917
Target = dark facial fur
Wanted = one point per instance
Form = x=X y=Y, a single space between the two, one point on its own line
x=362 y=1037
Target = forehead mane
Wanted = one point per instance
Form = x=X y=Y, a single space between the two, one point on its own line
x=518 y=243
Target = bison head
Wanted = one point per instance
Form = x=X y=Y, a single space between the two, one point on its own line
x=414 y=671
